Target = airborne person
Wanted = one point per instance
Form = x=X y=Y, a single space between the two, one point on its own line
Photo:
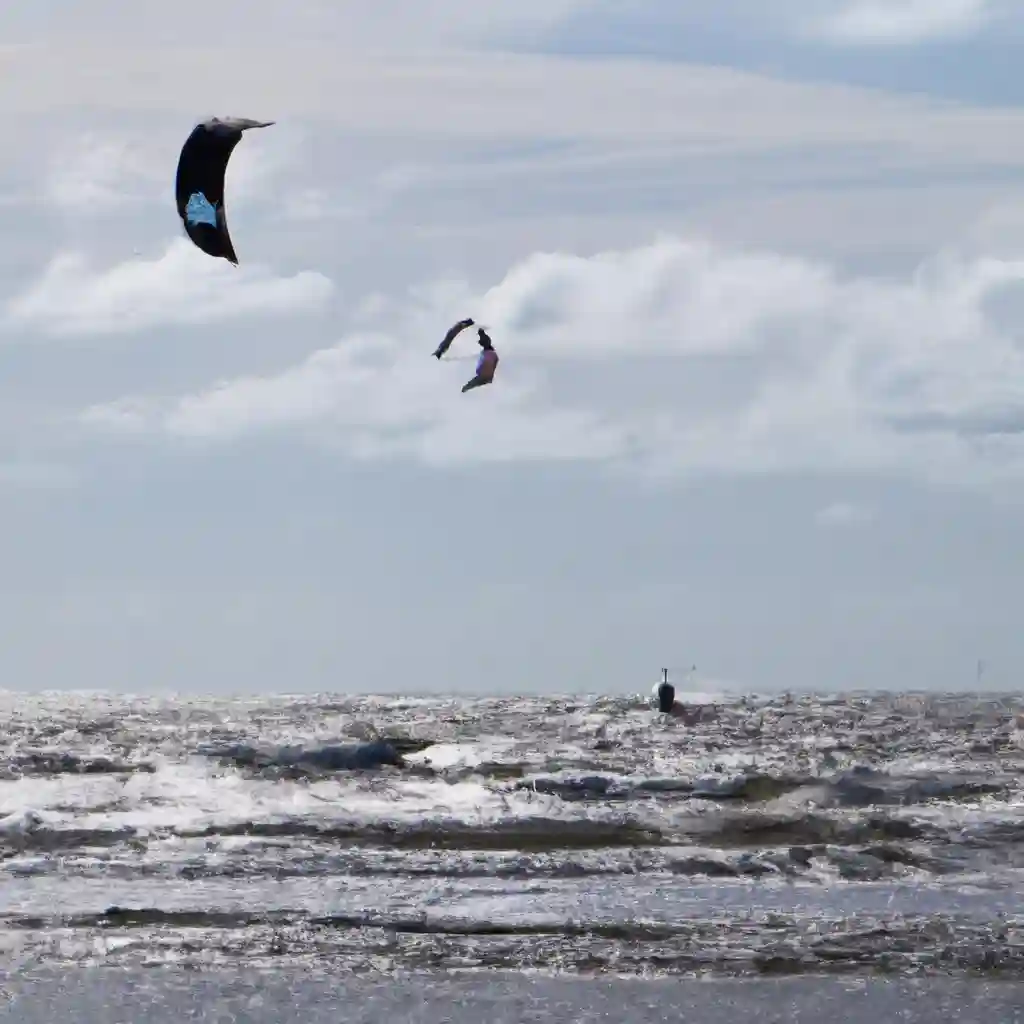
x=485 y=365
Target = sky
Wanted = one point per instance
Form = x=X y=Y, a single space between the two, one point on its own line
x=755 y=273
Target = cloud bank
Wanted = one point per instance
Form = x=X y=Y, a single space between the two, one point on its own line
x=183 y=286
x=676 y=358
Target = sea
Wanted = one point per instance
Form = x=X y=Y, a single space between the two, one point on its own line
x=787 y=857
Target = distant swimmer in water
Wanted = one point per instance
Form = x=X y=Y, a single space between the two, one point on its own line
x=485 y=365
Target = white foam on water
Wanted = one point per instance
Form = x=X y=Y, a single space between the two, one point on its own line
x=193 y=795
x=450 y=755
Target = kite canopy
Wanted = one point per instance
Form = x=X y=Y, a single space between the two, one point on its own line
x=199 y=186
x=453 y=332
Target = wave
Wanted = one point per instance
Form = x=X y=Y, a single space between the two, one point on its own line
x=55 y=763
x=525 y=835
x=346 y=757
x=770 y=944
x=883 y=839
x=861 y=786
x=849 y=787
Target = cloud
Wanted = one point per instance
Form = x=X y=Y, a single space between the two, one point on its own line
x=183 y=286
x=677 y=358
x=906 y=22
x=94 y=175
x=503 y=97
x=378 y=401
x=843 y=513
x=671 y=297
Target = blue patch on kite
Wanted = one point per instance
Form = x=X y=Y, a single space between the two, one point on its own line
x=199 y=210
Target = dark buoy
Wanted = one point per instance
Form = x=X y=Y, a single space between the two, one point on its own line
x=666 y=693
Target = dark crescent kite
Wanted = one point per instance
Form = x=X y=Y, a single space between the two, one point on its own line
x=199 y=185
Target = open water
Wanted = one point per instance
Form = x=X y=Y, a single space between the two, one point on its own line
x=585 y=858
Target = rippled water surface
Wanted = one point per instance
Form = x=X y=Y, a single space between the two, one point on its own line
x=856 y=834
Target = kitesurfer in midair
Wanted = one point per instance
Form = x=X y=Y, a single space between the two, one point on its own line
x=485 y=365
x=452 y=334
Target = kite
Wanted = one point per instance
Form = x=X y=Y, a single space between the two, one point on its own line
x=199 y=185
x=453 y=332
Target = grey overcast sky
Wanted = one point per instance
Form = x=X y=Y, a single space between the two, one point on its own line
x=754 y=270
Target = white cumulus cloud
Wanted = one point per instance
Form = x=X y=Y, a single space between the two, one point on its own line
x=377 y=400
x=679 y=357
x=681 y=297
x=183 y=286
